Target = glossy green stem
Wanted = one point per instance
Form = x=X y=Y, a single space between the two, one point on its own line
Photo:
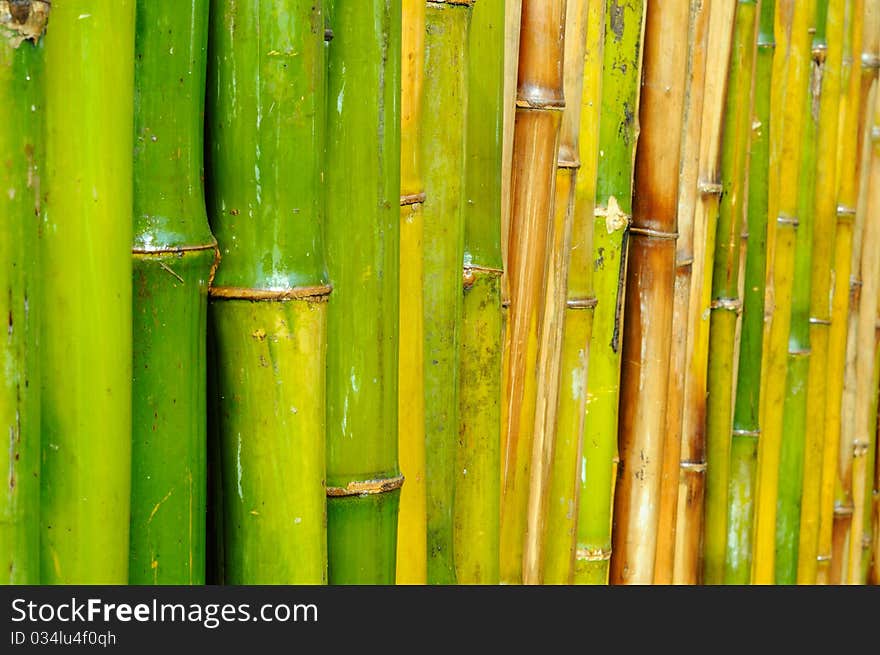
x=170 y=296
x=746 y=424
x=726 y=302
x=624 y=28
x=477 y=503
x=86 y=265
x=362 y=175
x=266 y=126
x=21 y=142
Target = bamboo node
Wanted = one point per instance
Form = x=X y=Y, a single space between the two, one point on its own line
x=819 y=321
x=820 y=52
x=727 y=304
x=696 y=467
x=412 y=198
x=710 y=188
x=542 y=104
x=875 y=134
x=860 y=448
x=784 y=219
x=23 y=21
x=648 y=233
x=845 y=213
x=173 y=250
x=823 y=558
x=615 y=218
x=870 y=60
x=843 y=510
x=747 y=433
x=367 y=487
x=685 y=262
x=316 y=293
x=582 y=303
x=800 y=352
x=593 y=554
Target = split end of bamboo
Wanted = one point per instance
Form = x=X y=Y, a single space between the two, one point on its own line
x=26 y=20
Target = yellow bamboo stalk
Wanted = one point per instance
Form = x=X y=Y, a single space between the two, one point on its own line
x=689 y=507
x=684 y=264
x=512 y=18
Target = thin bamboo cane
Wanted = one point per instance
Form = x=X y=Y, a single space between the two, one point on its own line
x=874 y=572
x=444 y=134
x=539 y=104
x=585 y=23
x=684 y=262
x=478 y=457
x=651 y=279
x=870 y=49
x=624 y=24
x=172 y=242
x=782 y=265
x=726 y=305
x=362 y=236
x=86 y=263
x=689 y=511
x=512 y=23
x=412 y=521
x=865 y=564
x=842 y=259
x=825 y=200
x=864 y=425
x=794 y=409
x=22 y=145
x=268 y=306
x=746 y=429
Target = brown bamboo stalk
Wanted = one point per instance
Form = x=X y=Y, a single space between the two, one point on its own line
x=689 y=511
x=512 y=18
x=650 y=282
x=684 y=263
x=540 y=100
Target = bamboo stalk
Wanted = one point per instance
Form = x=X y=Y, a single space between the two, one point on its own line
x=746 y=431
x=512 y=23
x=782 y=265
x=651 y=279
x=412 y=519
x=362 y=236
x=874 y=572
x=539 y=104
x=585 y=25
x=446 y=61
x=864 y=428
x=844 y=505
x=478 y=457
x=689 y=519
x=794 y=409
x=172 y=242
x=618 y=135
x=865 y=563
x=22 y=142
x=842 y=259
x=86 y=263
x=268 y=306
x=684 y=261
x=726 y=305
x=825 y=201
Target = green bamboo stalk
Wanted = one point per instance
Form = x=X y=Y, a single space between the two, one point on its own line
x=825 y=202
x=575 y=180
x=173 y=257
x=443 y=146
x=794 y=410
x=362 y=236
x=476 y=510
x=86 y=263
x=726 y=304
x=21 y=142
x=266 y=133
x=746 y=424
x=618 y=134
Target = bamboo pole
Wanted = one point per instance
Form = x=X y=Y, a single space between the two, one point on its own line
x=794 y=409
x=746 y=430
x=539 y=104
x=825 y=201
x=844 y=507
x=848 y=163
x=864 y=424
x=684 y=262
x=444 y=134
x=512 y=23
x=86 y=263
x=689 y=519
x=726 y=306
x=865 y=563
x=782 y=265
x=269 y=306
x=651 y=279
x=363 y=252
x=478 y=457
x=624 y=24
x=173 y=259
x=22 y=142
x=874 y=572
x=412 y=519
x=584 y=26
